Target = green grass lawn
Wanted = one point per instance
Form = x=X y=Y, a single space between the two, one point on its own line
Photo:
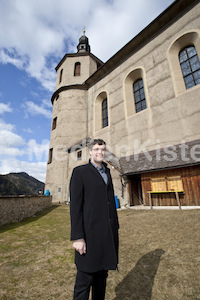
x=159 y=257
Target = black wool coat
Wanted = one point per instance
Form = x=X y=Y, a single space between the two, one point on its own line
x=94 y=218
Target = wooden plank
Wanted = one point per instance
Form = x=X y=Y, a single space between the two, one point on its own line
x=163 y=196
x=158 y=184
x=196 y=188
x=129 y=192
x=197 y=185
x=178 y=200
x=174 y=183
x=163 y=192
x=150 y=201
x=146 y=186
x=184 y=176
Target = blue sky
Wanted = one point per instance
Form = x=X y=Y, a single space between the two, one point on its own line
x=34 y=37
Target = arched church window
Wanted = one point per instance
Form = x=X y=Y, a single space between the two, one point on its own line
x=77 y=69
x=139 y=95
x=190 y=66
x=101 y=111
x=61 y=74
x=104 y=113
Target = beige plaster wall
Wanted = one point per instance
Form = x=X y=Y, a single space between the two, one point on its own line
x=71 y=112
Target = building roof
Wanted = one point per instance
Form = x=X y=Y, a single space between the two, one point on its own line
x=175 y=156
x=176 y=10
x=68 y=87
x=86 y=53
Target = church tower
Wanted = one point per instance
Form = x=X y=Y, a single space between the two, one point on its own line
x=69 y=116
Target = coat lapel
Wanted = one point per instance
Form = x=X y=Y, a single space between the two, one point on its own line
x=95 y=171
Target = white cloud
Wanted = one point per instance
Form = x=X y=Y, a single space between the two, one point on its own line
x=47 y=103
x=35 y=169
x=33 y=155
x=34 y=94
x=10 y=56
x=114 y=25
x=5 y=108
x=6 y=126
x=34 y=109
x=10 y=142
x=13 y=145
x=10 y=139
x=36 y=34
x=10 y=151
x=28 y=130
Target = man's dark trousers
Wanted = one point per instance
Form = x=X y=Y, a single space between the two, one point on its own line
x=85 y=280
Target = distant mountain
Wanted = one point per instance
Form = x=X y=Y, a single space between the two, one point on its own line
x=19 y=184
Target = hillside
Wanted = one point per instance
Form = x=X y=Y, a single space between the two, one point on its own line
x=19 y=184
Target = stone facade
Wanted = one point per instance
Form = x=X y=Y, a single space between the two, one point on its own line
x=18 y=208
x=172 y=113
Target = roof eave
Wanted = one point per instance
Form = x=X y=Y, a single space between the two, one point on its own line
x=78 y=55
x=158 y=25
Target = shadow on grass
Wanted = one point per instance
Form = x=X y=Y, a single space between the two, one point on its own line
x=36 y=217
x=137 y=285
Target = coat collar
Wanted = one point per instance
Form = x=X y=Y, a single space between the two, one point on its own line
x=95 y=171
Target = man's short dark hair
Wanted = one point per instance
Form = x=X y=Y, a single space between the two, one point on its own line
x=96 y=141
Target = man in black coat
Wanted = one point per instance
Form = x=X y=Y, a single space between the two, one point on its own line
x=94 y=224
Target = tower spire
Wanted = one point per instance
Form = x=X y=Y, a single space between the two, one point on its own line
x=83 y=45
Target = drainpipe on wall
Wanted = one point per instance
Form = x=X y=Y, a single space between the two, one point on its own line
x=124 y=182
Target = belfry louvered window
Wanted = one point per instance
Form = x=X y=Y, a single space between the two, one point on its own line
x=190 y=66
x=77 y=69
x=61 y=75
x=139 y=95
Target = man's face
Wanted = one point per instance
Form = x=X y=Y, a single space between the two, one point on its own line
x=98 y=153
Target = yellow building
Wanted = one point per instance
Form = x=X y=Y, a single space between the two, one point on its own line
x=144 y=102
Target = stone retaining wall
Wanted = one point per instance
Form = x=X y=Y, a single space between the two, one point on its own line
x=18 y=208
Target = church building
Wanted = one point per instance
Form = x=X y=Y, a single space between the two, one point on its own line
x=144 y=102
